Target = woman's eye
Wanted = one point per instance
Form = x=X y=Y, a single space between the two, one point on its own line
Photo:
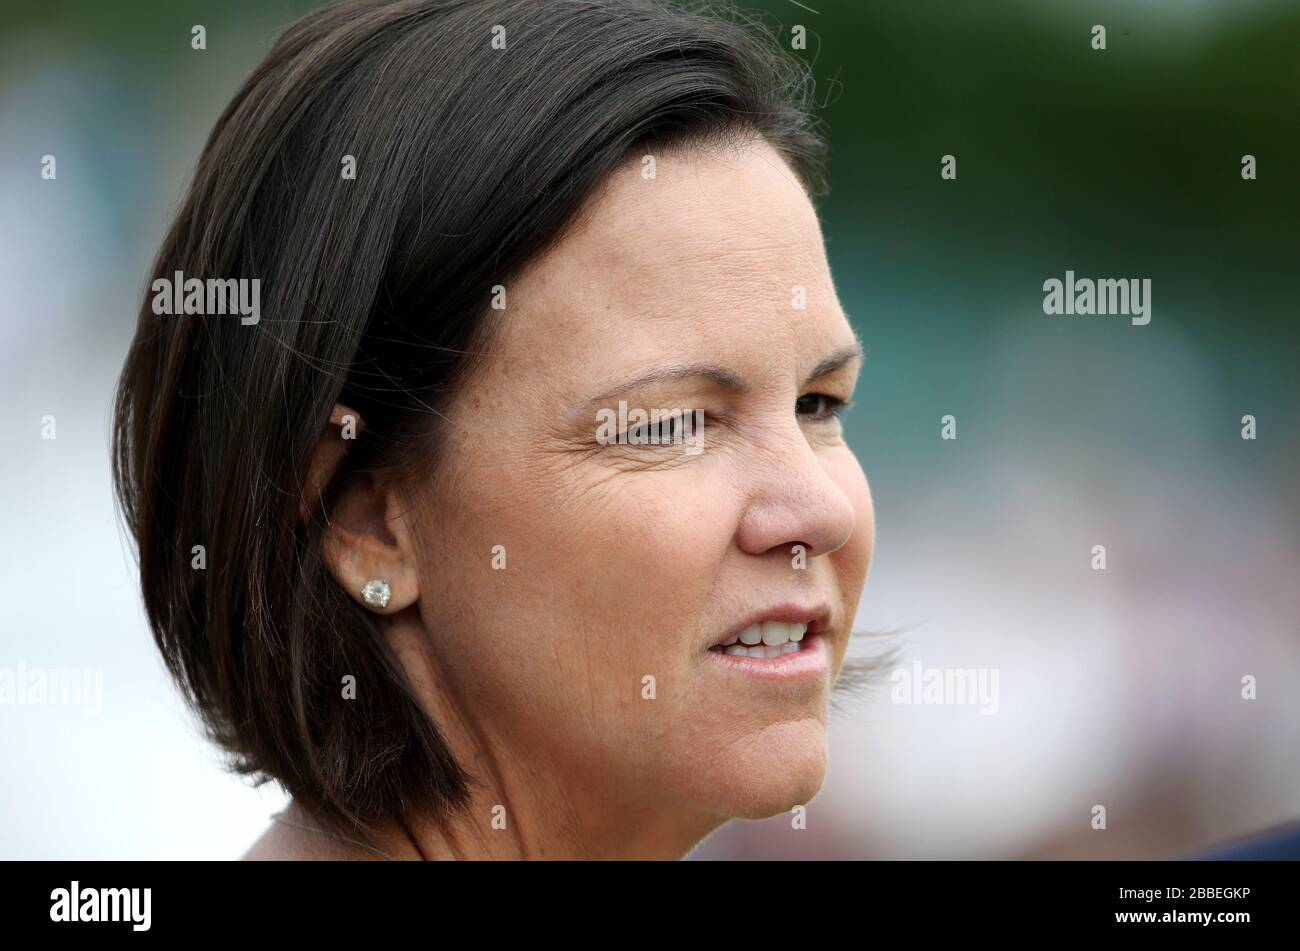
x=670 y=429
x=818 y=406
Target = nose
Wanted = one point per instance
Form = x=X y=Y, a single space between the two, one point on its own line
x=792 y=500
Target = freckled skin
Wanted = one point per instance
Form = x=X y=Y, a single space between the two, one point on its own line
x=627 y=561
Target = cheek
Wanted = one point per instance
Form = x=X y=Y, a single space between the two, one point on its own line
x=853 y=560
x=605 y=578
x=639 y=557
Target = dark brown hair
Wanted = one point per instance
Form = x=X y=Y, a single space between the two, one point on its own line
x=470 y=159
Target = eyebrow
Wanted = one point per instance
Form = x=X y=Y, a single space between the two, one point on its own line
x=837 y=360
x=726 y=378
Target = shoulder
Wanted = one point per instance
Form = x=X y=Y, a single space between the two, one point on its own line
x=286 y=842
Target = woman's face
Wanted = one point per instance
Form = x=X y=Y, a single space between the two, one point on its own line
x=581 y=645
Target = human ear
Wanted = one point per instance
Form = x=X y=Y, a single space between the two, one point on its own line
x=367 y=532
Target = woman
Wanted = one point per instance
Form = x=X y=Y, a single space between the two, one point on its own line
x=518 y=521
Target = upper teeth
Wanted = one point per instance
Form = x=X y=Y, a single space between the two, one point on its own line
x=771 y=633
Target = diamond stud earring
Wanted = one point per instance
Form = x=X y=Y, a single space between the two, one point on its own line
x=376 y=594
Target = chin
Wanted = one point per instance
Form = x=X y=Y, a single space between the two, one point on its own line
x=768 y=772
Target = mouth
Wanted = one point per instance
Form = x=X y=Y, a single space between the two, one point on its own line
x=766 y=640
x=784 y=642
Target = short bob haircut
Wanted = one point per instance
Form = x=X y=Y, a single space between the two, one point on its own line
x=478 y=130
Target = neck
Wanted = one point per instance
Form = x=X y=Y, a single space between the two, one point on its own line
x=528 y=800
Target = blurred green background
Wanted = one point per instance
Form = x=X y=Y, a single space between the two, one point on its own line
x=1119 y=687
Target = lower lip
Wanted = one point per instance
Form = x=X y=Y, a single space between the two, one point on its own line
x=808 y=661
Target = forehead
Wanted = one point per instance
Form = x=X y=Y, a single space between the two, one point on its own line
x=707 y=250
